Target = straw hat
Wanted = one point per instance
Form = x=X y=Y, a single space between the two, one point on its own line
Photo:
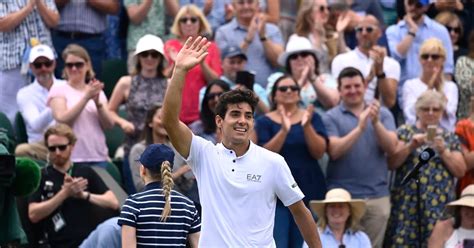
x=296 y=44
x=466 y=199
x=339 y=195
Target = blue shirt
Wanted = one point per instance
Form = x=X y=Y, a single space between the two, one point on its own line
x=350 y=239
x=143 y=211
x=233 y=34
x=410 y=63
x=363 y=169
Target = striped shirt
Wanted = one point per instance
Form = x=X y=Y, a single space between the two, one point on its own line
x=78 y=16
x=143 y=211
x=14 y=42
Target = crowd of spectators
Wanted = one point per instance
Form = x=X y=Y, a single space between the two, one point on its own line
x=350 y=92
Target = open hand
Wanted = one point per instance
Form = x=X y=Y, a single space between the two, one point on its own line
x=343 y=22
x=363 y=117
x=128 y=127
x=307 y=115
x=285 y=119
x=193 y=52
x=374 y=111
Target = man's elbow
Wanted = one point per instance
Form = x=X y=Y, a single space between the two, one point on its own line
x=34 y=218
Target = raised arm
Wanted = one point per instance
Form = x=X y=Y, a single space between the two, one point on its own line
x=192 y=53
x=111 y=7
x=49 y=16
x=138 y=12
x=12 y=20
x=120 y=95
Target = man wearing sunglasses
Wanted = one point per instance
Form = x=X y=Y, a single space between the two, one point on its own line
x=71 y=200
x=380 y=71
x=31 y=102
x=406 y=37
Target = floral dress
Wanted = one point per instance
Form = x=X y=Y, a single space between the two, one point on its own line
x=437 y=189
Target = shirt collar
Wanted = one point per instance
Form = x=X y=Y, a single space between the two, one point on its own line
x=37 y=84
x=360 y=54
x=152 y=185
x=228 y=81
x=229 y=151
x=328 y=230
x=236 y=25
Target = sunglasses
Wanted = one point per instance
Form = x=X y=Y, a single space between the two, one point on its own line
x=457 y=30
x=214 y=95
x=428 y=109
x=432 y=56
x=47 y=64
x=323 y=8
x=368 y=29
x=185 y=20
x=147 y=54
x=78 y=65
x=285 y=88
x=242 y=2
x=301 y=54
x=60 y=147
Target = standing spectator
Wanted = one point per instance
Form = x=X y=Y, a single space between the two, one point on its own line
x=300 y=60
x=146 y=17
x=228 y=191
x=69 y=195
x=465 y=132
x=464 y=78
x=338 y=219
x=20 y=22
x=178 y=221
x=83 y=23
x=432 y=57
x=360 y=131
x=437 y=177
x=453 y=24
x=380 y=71
x=145 y=87
x=83 y=106
x=406 y=37
x=261 y=41
x=32 y=102
x=190 y=22
x=300 y=137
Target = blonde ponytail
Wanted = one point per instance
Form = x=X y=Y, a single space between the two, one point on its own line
x=167 y=184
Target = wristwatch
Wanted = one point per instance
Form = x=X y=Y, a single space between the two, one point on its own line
x=263 y=38
x=381 y=76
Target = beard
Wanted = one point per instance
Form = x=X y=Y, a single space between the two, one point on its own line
x=44 y=77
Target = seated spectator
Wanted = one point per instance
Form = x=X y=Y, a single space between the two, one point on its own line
x=432 y=57
x=260 y=41
x=139 y=91
x=31 y=101
x=83 y=106
x=338 y=220
x=179 y=221
x=457 y=231
x=300 y=137
x=311 y=22
x=69 y=195
x=360 y=131
x=300 y=60
x=437 y=177
x=465 y=132
x=464 y=78
x=380 y=71
x=206 y=125
x=190 y=22
x=455 y=28
x=146 y=17
x=22 y=24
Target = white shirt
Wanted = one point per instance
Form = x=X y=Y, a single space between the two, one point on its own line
x=413 y=88
x=238 y=194
x=360 y=61
x=457 y=238
x=31 y=102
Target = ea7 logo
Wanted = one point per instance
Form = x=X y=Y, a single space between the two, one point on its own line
x=254 y=178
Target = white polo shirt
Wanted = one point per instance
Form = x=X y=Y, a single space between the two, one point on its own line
x=360 y=61
x=238 y=194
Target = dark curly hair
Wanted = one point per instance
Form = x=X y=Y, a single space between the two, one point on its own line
x=234 y=97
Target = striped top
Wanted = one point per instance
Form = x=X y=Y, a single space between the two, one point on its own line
x=78 y=16
x=143 y=211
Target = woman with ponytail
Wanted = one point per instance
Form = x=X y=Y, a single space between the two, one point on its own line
x=158 y=214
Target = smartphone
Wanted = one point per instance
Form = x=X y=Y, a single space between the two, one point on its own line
x=431 y=132
x=246 y=79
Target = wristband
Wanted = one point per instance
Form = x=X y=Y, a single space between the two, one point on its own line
x=381 y=76
x=412 y=34
x=263 y=38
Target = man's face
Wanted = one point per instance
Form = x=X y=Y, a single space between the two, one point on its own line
x=59 y=150
x=367 y=32
x=352 y=90
x=230 y=66
x=43 y=69
x=245 y=9
x=415 y=8
x=237 y=124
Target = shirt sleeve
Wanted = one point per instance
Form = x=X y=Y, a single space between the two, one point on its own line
x=96 y=185
x=196 y=221
x=408 y=102
x=451 y=91
x=364 y=240
x=35 y=119
x=197 y=149
x=286 y=188
x=129 y=214
x=330 y=125
x=394 y=37
x=274 y=34
x=220 y=39
x=392 y=69
x=387 y=119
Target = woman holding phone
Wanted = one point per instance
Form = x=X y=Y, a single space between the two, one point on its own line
x=437 y=177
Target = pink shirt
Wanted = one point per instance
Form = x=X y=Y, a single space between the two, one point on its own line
x=194 y=80
x=90 y=145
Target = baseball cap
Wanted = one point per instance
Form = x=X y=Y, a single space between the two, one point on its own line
x=149 y=42
x=233 y=51
x=155 y=154
x=41 y=51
